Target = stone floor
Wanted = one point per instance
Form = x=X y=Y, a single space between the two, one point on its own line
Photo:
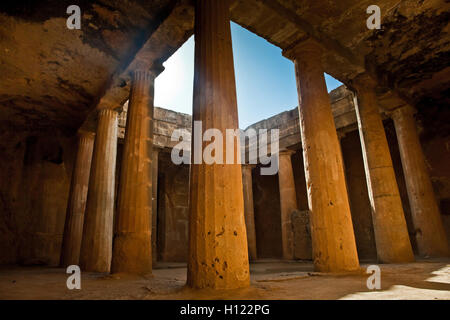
x=270 y=279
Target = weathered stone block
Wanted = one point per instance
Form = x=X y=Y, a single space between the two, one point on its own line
x=302 y=235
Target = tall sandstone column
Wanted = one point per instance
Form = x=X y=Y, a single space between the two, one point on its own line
x=154 y=213
x=429 y=231
x=249 y=211
x=73 y=230
x=96 y=245
x=218 y=254
x=391 y=232
x=288 y=202
x=334 y=247
x=132 y=251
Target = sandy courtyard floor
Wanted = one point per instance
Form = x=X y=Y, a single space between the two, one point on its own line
x=270 y=279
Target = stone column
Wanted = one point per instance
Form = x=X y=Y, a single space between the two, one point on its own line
x=249 y=211
x=429 y=231
x=341 y=135
x=391 y=232
x=288 y=202
x=218 y=254
x=132 y=251
x=96 y=245
x=334 y=247
x=73 y=230
x=154 y=214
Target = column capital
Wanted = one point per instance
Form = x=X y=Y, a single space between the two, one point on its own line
x=142 y=69
x=101 y=111
x=341 y=134
x=363 y=82
x=157 y=149
x=307 y=46
x=402 y=111
x=248 y=166
x=286 y=152
x=83 y=133
x=105 y=106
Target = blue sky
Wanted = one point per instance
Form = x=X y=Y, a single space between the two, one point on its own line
x=265 y=80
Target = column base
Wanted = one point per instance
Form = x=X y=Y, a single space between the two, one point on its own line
x=132 y=253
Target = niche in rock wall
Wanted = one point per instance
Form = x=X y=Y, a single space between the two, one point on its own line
x=46 y=182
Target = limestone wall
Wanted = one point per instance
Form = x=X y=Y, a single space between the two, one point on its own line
x=35 y=175
x=165 y=122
